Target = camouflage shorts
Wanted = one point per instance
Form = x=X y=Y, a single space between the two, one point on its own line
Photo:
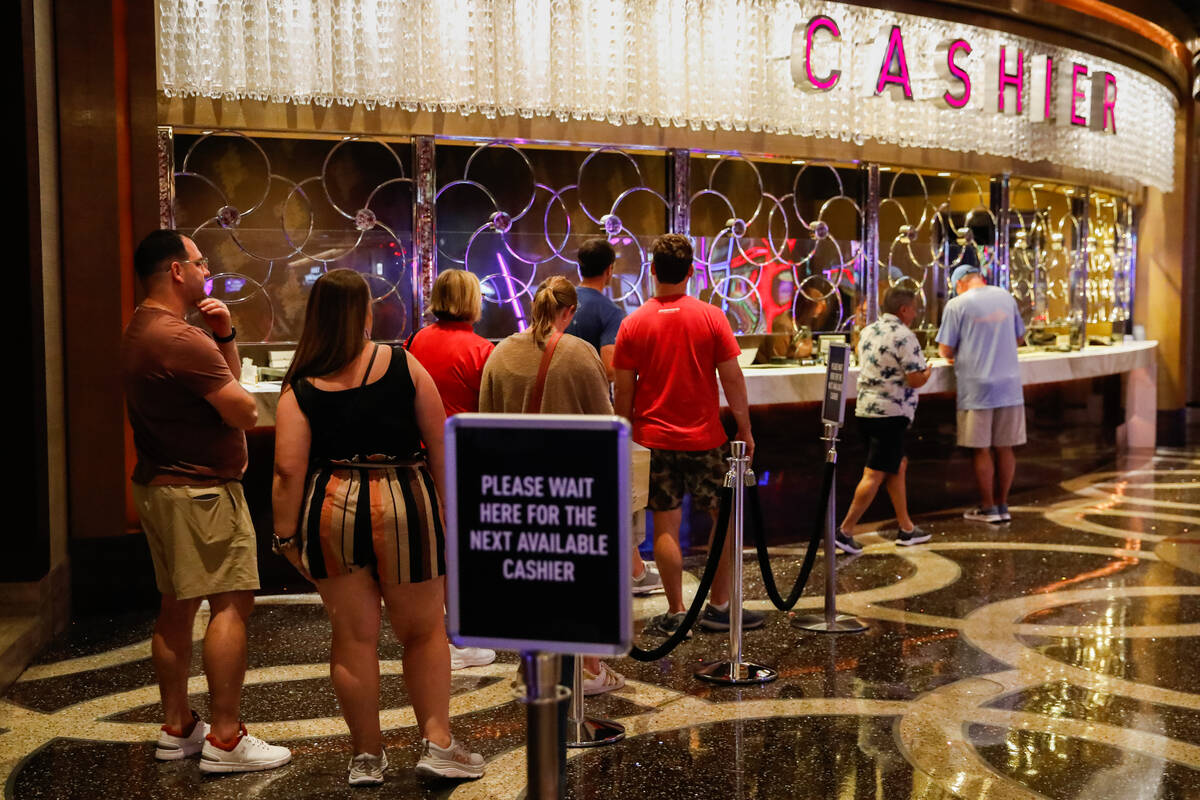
x=674 y=473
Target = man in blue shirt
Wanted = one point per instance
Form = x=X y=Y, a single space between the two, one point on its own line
x=981 y=328
x=597 y=319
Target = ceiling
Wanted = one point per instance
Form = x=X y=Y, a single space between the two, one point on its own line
x=1180 y=17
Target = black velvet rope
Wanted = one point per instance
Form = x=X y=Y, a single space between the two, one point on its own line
x=716 y=547
x=810 y=555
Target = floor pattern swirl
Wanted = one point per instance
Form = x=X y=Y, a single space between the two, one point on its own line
x=1057 y=656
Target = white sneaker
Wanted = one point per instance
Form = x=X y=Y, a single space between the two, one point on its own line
x=250 y=755
x=648 y=583
x=463 y=657
x=173 y=748
x=978 y=514
x=607 y=680
x=366 y=769
x=454 y=761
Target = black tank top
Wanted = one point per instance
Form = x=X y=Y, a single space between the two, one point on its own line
x=370 y=420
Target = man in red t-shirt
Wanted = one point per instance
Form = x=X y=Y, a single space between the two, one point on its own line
x=669 y=355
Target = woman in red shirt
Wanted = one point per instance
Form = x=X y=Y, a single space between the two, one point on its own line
x=453 y=355
x=450 y=349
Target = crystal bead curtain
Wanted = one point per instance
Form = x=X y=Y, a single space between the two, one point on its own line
x=683 y=63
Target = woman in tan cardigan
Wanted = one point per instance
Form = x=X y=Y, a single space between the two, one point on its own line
x=576 y=383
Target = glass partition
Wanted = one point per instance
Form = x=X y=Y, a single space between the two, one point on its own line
x=515 y=215
x=930 y=222
x=778 y=241
x=273 y=214
x=1110 y=250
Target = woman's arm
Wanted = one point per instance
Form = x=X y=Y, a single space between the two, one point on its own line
x=595 y=384
x=431 y=418
x=293 y=438
x=487 y=400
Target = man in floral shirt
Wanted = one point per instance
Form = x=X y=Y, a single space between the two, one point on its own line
x=891 y=369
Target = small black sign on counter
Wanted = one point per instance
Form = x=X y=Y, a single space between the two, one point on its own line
x=833 y=408
x=538 y=532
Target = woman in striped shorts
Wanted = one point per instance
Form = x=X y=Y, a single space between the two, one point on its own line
x=356 y=511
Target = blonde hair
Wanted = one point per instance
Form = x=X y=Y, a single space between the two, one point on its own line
x=553 y=295
x=456 y=297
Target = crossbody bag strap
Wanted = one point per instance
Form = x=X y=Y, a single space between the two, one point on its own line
x=539 y=385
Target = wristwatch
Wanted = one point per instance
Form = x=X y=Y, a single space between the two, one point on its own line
x=278 y=545
x=223 y=339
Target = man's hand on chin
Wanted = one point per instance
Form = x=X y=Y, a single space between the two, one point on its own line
x=216 y=315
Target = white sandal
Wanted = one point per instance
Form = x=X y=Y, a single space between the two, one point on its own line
x=607 y=680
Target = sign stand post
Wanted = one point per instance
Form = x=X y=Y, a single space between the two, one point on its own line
x=585 y=731
x=543 y=769
x=735 y=671
x=833 y=413
x=534 y=527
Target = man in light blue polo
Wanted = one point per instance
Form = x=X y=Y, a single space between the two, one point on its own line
x=980 y=331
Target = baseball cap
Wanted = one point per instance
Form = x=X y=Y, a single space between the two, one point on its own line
x=962 y=271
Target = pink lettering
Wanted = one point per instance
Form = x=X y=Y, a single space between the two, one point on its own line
x=1076 y=94
x=1049 y=83
x=958 y=73
x=1103 y=115
x=830 y=80
x=898 y=74
x=1110 y=104
x=1006 y=80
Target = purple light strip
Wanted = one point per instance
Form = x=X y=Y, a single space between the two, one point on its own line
x=512 y=293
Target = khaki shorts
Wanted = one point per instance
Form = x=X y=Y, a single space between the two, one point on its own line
x=201 y=538
x=992 y=427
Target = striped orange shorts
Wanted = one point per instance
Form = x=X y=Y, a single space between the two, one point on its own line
x=384 y=519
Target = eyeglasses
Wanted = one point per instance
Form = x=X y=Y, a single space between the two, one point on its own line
x=199 y=262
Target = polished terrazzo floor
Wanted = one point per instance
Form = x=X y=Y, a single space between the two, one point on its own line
x=1057 y=656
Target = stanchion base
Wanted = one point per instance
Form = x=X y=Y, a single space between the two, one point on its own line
x=741 y=674
x=593 y=732
x=842 y=623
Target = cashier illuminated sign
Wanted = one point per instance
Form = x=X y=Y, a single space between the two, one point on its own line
x=1080 y=97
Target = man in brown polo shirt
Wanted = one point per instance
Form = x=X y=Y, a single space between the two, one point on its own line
x=188 y=413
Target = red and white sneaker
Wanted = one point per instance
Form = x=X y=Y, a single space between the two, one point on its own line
x=172 y=747
x=245 y=754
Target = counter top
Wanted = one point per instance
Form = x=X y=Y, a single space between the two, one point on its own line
x=769 y=385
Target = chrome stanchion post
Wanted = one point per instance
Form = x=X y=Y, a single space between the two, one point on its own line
x=543 y=768
x=735 y=671
x=585 y=731
x=830 y=621
x=737 y=463
x=831 y=432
